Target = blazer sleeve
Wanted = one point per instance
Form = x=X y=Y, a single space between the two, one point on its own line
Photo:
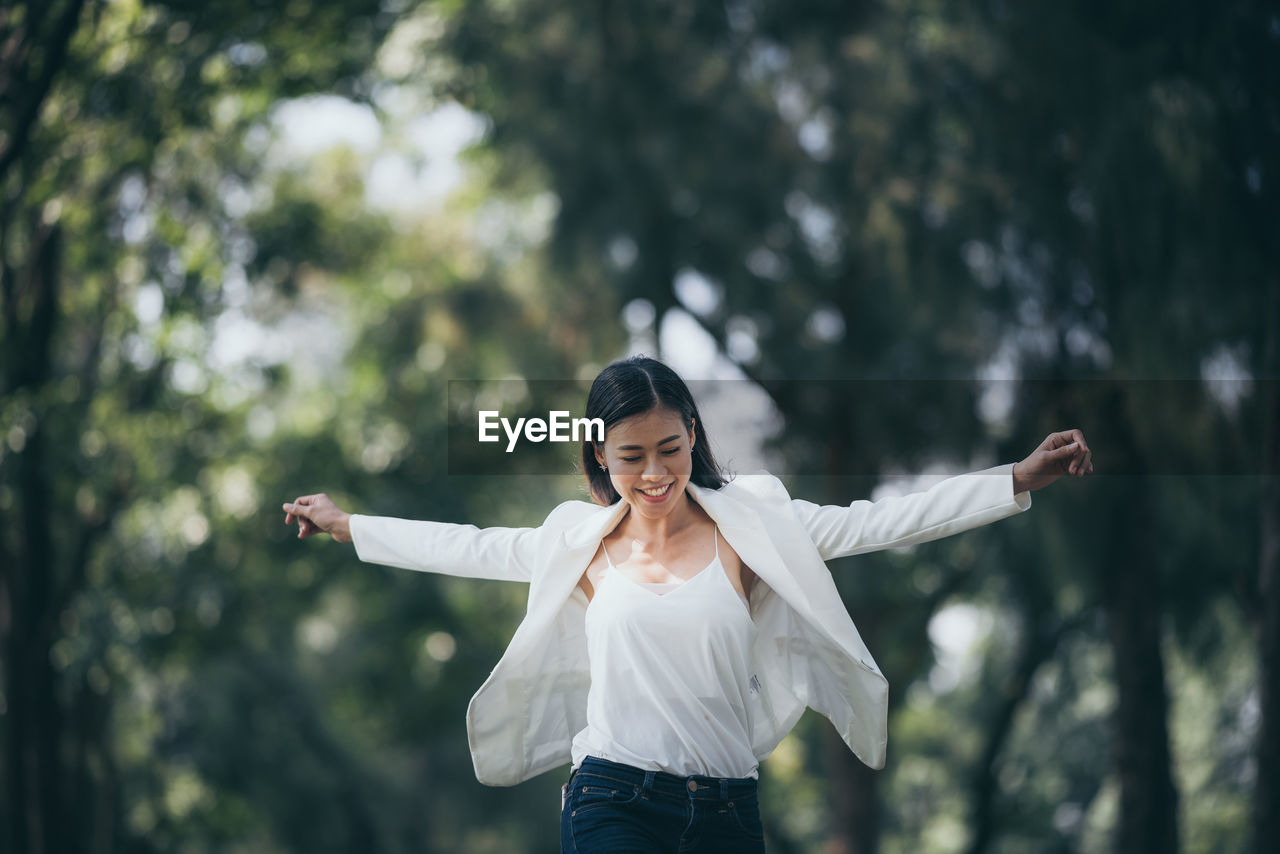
x=948 y=507
x=506 y=554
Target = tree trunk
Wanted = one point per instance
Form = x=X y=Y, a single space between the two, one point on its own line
x=1266 y=804
x=1040 y=641
x=1131 y=600
x=1148 y=797
x=34 y=721
x=855 y=813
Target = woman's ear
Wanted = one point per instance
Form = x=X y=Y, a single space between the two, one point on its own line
x=693 y=432
x=599 y=452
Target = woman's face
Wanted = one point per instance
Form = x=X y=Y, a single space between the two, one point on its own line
x=650 y=460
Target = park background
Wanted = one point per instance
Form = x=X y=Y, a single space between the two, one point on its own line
x=246 y=245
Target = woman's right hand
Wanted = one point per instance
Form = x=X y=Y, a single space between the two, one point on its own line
x=316 y=514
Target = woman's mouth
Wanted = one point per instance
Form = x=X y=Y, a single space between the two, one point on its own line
x=655 y=493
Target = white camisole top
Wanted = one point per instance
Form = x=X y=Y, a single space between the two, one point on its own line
x=669 y=675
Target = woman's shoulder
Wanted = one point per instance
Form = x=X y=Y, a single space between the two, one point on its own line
x=755 y=486
x=571 y=512
x=758 y=481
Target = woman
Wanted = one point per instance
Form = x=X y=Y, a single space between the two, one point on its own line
x=677 y=628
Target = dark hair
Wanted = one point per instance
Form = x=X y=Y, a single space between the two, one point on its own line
x=632 y=387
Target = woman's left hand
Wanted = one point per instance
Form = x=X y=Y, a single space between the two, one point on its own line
x=1065 y=452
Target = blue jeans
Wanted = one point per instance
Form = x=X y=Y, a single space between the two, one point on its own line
x=612 y=808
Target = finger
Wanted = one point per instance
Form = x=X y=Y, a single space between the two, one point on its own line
x=1078 y=438
x=1063 y=458
x=1059 y=454
x=298 y=509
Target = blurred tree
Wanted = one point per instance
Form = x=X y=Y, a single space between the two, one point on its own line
x=1124 y=153
x=119 y=141
x=177 y=672
x=913 y=190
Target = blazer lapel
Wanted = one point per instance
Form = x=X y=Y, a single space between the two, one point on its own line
x=568 y=560
x=745 y=531
x=803 y=580
x=591 y=530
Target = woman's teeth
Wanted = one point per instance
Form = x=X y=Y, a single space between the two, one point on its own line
x=656 y=491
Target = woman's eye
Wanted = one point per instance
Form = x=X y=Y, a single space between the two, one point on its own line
x=630 y=459
x=672 y=451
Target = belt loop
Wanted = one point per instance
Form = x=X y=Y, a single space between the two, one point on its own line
x=724 y=789
x=647 y=786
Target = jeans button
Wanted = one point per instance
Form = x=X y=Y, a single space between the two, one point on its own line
x=693 y=787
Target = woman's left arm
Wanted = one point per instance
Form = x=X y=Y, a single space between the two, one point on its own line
x=949 y=507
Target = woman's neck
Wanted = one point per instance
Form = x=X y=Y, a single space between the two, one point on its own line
x=653 y=533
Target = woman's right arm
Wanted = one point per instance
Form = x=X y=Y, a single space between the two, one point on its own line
x=463 y=550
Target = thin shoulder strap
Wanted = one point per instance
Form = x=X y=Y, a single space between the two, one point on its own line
x=715 y=535
x=606 y=554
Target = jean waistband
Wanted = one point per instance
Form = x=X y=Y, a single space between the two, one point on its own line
x=697 y=786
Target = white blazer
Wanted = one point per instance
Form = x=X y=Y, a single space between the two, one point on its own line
x=807 y=652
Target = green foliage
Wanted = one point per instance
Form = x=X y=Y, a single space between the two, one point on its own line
x=220 y=686
x=869 y=208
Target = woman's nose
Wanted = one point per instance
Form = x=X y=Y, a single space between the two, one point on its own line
x=655 y=467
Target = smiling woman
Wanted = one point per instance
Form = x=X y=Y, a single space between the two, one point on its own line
x=644 y=387
x=677 y=628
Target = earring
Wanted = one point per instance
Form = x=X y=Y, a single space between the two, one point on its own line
x=603 y=467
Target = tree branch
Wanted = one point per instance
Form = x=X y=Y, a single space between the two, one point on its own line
x=54 y=60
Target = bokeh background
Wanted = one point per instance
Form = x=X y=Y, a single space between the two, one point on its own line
x=245 y=246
